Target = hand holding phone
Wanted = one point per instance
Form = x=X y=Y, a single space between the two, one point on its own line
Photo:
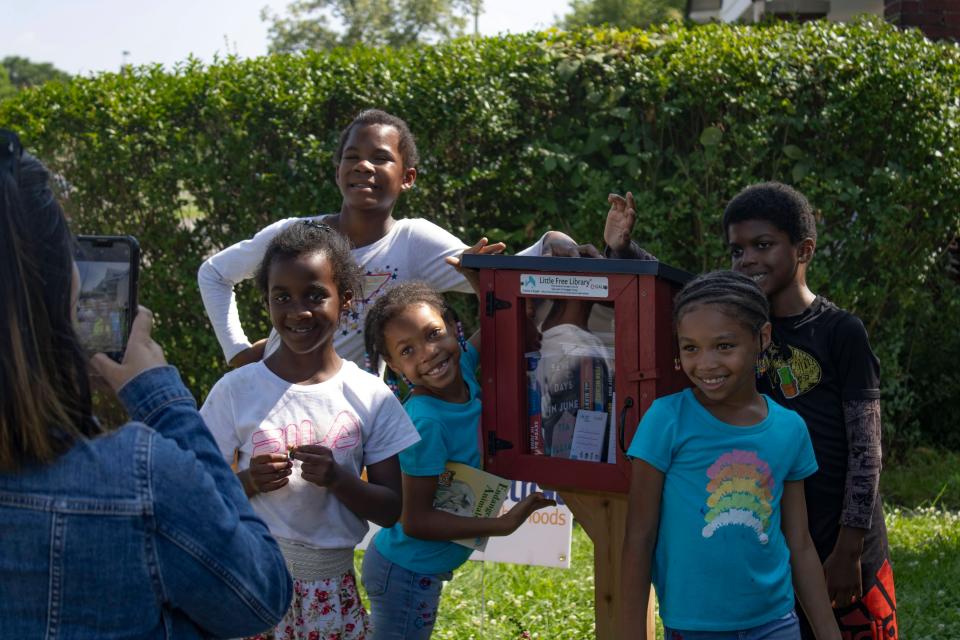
x=109 y=273
x=141 y=353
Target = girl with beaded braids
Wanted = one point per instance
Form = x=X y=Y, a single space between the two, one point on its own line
x=303 y=424
x=717 y=518
x=418 y=336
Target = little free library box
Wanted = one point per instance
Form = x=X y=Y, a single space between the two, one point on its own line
x=574 y=351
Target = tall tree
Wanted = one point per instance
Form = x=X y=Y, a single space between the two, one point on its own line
x=24 y=73
x=324 y=24
x=621 y=13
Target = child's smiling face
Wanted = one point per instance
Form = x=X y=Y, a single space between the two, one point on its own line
x=303 y=301
x=719 y=354
x=371 y=175
x=424 y=348
x=764 y=253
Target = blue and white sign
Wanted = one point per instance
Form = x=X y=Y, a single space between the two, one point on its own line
x=572 y=285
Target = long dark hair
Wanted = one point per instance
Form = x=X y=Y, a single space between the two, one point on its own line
x=44 y=386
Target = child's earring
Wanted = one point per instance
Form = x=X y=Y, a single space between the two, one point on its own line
x=461 y=338
x=676 y=364
x=761 y=364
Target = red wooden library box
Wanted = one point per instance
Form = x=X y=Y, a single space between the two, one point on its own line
x=574 y=352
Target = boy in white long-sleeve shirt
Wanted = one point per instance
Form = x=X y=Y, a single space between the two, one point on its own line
x=376 y=162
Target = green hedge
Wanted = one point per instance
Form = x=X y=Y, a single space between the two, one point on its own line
x=523 y=133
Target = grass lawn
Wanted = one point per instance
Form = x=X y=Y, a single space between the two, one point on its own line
x=921 y=478
x=922 y=491
x=925 y=545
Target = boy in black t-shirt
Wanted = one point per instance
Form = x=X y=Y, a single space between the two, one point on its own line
x=820 y=364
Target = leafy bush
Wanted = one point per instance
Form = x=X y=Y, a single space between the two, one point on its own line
x=522 y=133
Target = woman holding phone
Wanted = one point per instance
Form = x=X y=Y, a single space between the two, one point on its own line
x=143 y=532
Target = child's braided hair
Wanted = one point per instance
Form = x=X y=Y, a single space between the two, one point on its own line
x=736 y=294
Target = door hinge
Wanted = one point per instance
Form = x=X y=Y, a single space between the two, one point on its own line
x=495 y=304
x=495 y=444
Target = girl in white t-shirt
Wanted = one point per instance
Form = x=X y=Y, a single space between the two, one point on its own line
x=303 y=423
x=376 y=162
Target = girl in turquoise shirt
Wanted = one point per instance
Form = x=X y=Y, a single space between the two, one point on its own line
x=717 y=517
x=415 y=333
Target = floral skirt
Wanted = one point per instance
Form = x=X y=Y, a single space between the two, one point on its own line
x=328 y=609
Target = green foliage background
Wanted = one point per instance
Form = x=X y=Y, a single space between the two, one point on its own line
x=621 y=13
x=522 y=133
x=25 y=73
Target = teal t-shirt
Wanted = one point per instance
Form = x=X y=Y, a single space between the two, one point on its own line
x=448 y=432
x=721 y=562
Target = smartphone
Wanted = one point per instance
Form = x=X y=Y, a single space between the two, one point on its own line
x=109 y=270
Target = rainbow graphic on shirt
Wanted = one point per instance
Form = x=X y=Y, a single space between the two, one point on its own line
x=741 y=493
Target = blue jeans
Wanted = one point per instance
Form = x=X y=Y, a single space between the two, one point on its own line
x=403 y=603
x=784 y=628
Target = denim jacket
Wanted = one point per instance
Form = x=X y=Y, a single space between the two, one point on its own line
x=144 y=532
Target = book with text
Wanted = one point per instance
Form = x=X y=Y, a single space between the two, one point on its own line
x=534 y=417
x=465 y=491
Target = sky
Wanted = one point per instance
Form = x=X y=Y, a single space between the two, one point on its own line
x=82 y=36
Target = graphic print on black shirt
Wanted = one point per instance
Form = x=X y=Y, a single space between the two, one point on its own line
x=792 y=370
x=818 y=361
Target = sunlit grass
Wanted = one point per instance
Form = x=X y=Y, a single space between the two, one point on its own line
x=510 y=602
x=925 y=547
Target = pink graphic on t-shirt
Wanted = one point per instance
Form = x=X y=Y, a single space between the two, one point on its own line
x=342 y=433
x=345 y=432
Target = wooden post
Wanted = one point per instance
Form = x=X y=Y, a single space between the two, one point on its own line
x=604 y=517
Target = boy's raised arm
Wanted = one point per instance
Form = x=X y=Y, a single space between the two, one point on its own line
x=217 y=277
x=618 y=230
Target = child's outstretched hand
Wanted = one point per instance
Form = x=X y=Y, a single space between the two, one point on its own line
x=268 y=472
x=319 y=465
x=620 y=220
x=519 y=513
x=482 y=248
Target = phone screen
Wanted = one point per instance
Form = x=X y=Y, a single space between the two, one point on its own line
x=107 y=268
